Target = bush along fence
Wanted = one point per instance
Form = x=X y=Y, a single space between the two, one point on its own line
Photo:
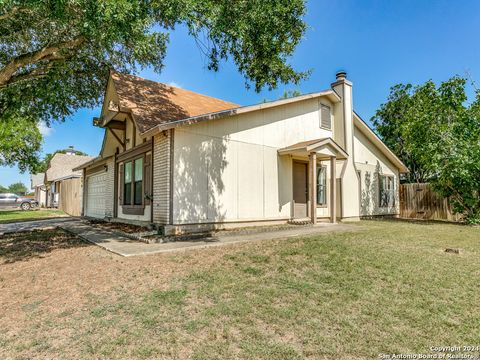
x=419 y=201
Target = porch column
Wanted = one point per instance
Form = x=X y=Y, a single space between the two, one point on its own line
x=333 y=189
x=313 y=187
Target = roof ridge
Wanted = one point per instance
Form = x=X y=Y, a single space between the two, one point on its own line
x=171 y=86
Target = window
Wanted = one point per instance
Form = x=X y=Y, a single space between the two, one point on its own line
x=137 y=189
x=127 y=183
x=133 y=182
x=386 y=191
x=325 y=117
x=321 y=185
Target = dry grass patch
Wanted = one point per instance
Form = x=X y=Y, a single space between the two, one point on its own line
x=389 y=287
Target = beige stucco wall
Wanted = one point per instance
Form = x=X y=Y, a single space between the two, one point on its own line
x=371 y=162
x=110 y=143
x=40 y=196
x=229 y=169
x=349 y=198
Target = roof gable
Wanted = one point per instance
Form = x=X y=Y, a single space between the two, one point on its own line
x=152 y=103
x=37 y=179
x=61 y=166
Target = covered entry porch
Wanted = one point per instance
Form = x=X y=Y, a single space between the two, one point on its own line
x=309 y=177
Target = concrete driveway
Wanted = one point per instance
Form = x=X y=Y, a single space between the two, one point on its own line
x=126 y=247
x=123 y=246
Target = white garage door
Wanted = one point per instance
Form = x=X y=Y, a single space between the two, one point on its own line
x=96 y=188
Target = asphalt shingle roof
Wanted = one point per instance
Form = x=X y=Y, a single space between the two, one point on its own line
x=152 y=103
x=61 y=166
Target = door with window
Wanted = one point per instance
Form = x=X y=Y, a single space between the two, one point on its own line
x=300 y=190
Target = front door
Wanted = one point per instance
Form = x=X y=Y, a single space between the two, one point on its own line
x=300 y=190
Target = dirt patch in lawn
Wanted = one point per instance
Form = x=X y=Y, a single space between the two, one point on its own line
x=22 y=246
x=126 y=228
x=48 y=288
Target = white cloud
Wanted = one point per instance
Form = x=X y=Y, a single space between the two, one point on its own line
x=173 y=83
x=44 y=129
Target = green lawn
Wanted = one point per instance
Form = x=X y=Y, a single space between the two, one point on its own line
x=8 y=216
x=387 y=288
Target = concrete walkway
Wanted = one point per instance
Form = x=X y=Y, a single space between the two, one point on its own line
x=34 y=225
x=126 y=247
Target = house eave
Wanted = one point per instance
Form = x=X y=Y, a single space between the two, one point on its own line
x=94 y=161
x=305 y=148
x=71 y=176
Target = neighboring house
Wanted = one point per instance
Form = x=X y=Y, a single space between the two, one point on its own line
x=189 y=162
x=64 y=187
x=38 y=187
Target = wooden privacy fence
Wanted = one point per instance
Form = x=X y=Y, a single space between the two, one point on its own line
x=70 y=197
x=419 y=201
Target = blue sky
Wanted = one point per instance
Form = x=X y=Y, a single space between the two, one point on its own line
x=379 y=43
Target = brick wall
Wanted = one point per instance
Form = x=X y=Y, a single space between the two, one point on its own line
x=161 y=178
x=109 y=191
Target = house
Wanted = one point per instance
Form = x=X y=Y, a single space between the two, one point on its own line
x=64 y=187
x=189 y=162
x=38 y=188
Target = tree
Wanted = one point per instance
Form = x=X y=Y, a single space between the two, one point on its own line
x=440 y=132
x=20 y=143
x=18 y=188
x=3 y=189
x=43 y=166
x=55 y=56
x=290 y=93
x=389 y=121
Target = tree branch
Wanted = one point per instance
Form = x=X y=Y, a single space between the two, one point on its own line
x=9 y=14
x=35 y=73
x=47 y=53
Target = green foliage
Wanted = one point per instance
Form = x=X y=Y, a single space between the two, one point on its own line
x=3 y=189
x=290 y=93
x=18 y=188
x=20 y=142
x=389 y=121
x=55 y=56
x=437 y=133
